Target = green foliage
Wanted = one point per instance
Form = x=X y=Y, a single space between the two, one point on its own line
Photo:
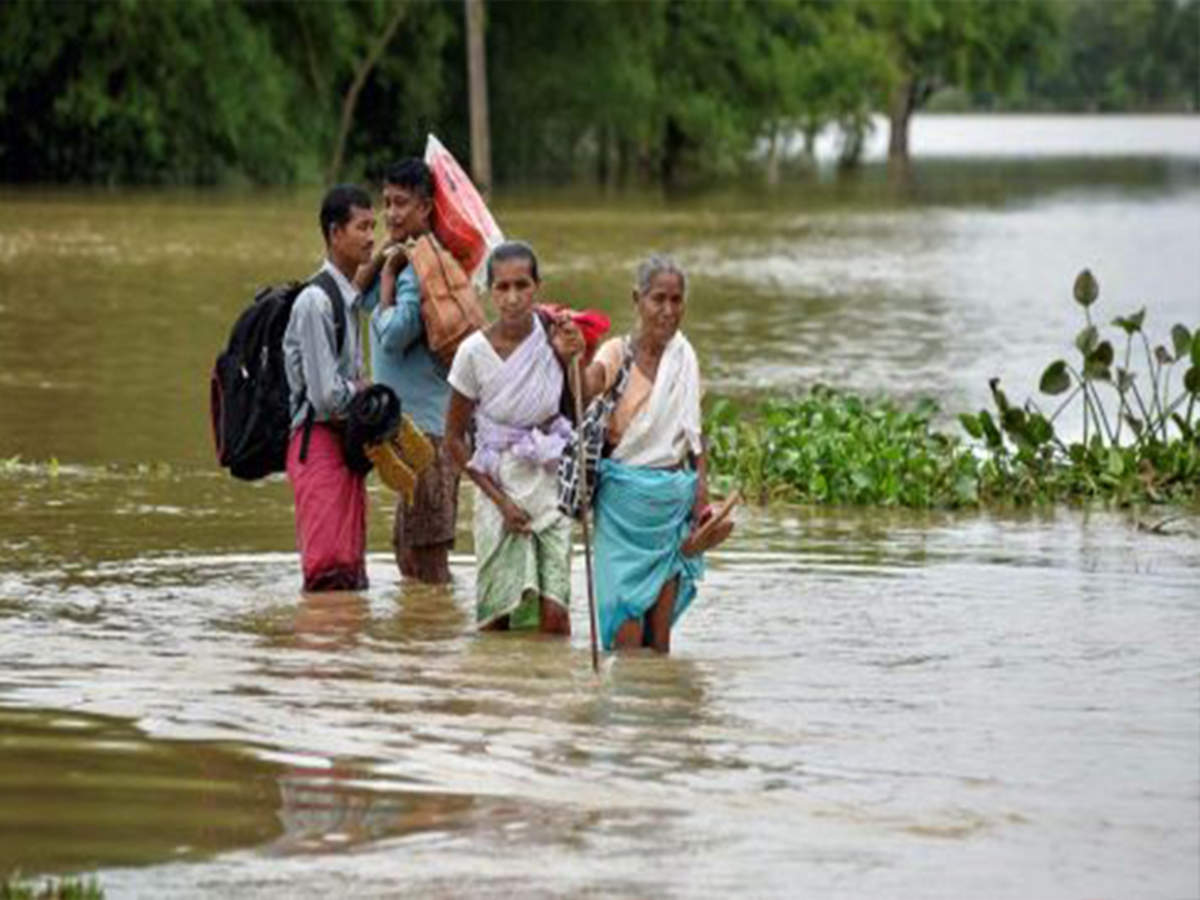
x=16 y=888
x=1131 y=55
x=1158 y=460
x=830 y=447
x=142 y=91
x=209 y=91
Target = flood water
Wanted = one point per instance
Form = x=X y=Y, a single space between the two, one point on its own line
x=860 y=703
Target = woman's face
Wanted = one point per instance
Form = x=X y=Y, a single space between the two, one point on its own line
x=660 y=307
x=513 y=290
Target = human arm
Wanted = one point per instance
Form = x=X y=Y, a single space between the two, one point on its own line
x=397 y=324
x=458 y=419
x=328 y=390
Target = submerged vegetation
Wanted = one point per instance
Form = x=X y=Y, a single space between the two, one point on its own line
x=1138 y=444
x=17 y=888
x=832 y=447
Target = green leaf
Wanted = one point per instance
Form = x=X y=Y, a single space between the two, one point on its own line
x=1132 y=323
x=1124 y=380
x=1014 y=420
x=971 y=425
x=1182 y=339
x=1103 y=354
x=1055 y=379
x=1134 y=423
x=1162 y=357
x=1097 y=371
x=1039 y=429
x=1184 y=428
x=1086 y=289
x=1087 y=339
x=1196 y=347
x=1191 y=380
x=1116 y=462
x=990 y=431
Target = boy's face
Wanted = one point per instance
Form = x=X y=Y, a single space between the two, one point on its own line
x=405 y=212
x=355 y=240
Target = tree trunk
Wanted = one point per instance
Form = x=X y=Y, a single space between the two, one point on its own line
x=481 y=134
x=900 y=110
x=773 y=157
x=672 y=153
x=350 y=100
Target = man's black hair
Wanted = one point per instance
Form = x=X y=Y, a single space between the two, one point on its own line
x=411 y=174
x=512 y=250
x=338 y=204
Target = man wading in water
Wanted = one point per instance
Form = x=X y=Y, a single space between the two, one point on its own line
x=331 y=500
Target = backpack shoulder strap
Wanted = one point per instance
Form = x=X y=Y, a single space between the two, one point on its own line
x=325 y=282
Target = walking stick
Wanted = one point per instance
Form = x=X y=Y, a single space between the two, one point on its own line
x=581 y=467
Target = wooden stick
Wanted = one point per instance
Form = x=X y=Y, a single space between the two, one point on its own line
x=581 y=467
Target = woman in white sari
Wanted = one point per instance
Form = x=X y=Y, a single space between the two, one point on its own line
x=508 y=379
x=652 y=492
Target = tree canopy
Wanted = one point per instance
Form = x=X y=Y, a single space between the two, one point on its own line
x=212 y=91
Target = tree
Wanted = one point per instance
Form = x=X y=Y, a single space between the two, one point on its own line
x=934 y=43
x=362 y=70
x=142 y=91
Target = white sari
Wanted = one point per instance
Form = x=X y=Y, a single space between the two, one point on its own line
x=667 y=428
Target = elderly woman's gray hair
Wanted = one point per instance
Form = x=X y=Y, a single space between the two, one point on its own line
x=654 y=265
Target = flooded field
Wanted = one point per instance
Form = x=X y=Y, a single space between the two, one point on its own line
x=861 y=703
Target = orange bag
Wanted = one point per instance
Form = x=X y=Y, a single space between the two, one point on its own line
x=450 y=310
x=461 y=219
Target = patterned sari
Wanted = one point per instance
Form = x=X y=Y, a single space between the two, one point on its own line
x=519 y=439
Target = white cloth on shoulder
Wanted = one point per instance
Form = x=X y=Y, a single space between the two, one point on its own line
x=668 y=427
x=518 y=401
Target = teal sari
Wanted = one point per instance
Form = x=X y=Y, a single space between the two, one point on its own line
x=642 y=517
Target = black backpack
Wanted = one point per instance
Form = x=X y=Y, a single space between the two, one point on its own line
x=248 y=389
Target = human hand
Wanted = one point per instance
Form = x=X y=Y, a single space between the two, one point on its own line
x=395 y=259
x=566 y=338
x=516 y=519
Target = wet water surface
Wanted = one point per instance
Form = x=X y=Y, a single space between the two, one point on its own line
x=861 y=702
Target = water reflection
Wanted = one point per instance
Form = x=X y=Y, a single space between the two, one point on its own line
x=330 y=621
x=333 y=808
x=83 y=791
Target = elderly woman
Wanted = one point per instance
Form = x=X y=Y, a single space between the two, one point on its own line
x=509 y=380
x=652 y=492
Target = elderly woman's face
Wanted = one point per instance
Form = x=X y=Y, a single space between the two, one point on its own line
x=660 y=307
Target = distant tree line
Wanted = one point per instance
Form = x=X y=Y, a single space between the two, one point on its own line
x=220 y=91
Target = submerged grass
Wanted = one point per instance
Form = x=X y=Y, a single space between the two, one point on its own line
x=17 y=888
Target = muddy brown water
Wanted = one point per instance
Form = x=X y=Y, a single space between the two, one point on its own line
x=861 y=703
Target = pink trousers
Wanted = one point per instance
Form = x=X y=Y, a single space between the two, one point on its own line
x=331 y=512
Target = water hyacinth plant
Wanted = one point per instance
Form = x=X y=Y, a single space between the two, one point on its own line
x=829 y=447
x=1157 y=458
x=832 y=447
